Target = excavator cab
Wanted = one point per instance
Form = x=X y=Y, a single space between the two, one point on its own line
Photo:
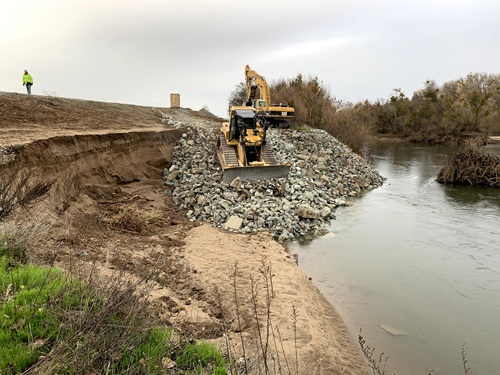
x=260 y=104
x=257 y=104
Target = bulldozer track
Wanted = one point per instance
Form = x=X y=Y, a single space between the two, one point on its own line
x=228 y=153
x=268 y=155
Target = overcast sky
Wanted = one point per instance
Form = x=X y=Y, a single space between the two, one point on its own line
x=139 y=51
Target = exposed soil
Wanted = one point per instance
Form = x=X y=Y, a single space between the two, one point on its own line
x=109 y=209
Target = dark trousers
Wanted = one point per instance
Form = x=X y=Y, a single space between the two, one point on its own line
x=28 y=88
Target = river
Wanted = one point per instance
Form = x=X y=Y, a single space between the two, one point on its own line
x=416 y=265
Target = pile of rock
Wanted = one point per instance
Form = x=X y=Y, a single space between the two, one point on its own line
x=324 y=174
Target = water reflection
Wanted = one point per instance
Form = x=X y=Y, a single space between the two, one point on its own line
x=470 y=195
x=417 y=257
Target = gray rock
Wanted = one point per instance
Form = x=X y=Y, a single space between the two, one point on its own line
x=234 y=223
x=325 y=212
x=289 y=147
x=324 y=173
x=172 y=176
x=236 y=183
x=307 y=212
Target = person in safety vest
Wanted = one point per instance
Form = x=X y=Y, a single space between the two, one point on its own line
x=28 y=81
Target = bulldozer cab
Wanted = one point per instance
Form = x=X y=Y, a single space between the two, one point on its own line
x=241 y=120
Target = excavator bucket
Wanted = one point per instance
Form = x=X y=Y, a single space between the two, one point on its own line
x=267 y=168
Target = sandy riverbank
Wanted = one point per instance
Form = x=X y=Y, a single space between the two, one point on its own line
x=107 y=161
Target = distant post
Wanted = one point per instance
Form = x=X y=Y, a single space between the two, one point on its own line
x=175 y=100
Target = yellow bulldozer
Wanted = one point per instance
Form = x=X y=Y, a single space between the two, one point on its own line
x=242 y=148
x=276 y=114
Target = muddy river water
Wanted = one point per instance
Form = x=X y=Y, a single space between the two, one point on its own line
x=416 y=266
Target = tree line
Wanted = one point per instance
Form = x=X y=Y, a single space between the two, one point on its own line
x=468 y=107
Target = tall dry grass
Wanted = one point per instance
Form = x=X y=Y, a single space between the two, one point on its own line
x=19 y=188
x=266 y=352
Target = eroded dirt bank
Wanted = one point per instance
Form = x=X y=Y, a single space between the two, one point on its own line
x=108 y=208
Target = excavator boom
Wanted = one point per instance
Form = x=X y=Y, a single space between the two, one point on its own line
x=276 y=114
x=254 y=80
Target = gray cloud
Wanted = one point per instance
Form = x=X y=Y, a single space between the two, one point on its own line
x=138 y=52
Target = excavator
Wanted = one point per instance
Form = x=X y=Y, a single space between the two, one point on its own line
x=242 y=148
x=276 y=114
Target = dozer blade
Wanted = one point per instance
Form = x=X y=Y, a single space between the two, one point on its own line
x=231 y=168
x=256 y=173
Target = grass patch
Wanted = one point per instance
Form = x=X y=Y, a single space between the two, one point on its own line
x=199 y=356
x=27 y=323
x=10 y=248
x=150 y=354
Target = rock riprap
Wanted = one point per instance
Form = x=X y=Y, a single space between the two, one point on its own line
x=324 y=175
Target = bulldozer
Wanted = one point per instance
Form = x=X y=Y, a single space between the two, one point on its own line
x=242 y=148
x=276 y=114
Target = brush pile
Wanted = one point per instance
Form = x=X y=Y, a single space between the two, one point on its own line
x=470 y=166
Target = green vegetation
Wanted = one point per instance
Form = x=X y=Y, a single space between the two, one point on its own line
x=199 y=356
x=52 y=323
x=27 y=321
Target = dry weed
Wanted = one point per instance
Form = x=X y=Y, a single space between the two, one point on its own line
x=129 y=218
x=17 y=189
x=23 y=233
x=265 y=353
x=378 y=365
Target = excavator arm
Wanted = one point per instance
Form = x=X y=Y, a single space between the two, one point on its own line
x=254 y=80
x=276 y=114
